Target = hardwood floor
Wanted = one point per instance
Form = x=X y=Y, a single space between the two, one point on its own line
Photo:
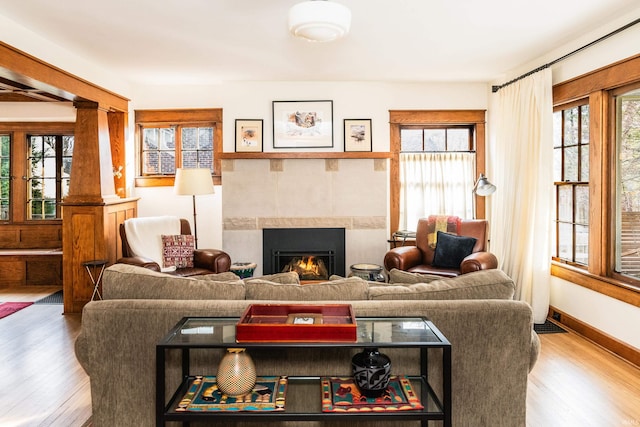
x=41 y=382
x=574 y=382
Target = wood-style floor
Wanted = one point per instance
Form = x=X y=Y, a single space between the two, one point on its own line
x=574 y=383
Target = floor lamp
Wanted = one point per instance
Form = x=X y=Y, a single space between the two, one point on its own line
x=193 y=182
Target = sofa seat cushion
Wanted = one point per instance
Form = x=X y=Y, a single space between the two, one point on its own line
x=351 y=289
x=486 y=284
x=124 y=281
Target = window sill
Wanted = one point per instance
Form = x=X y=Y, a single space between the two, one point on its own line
x=608 y=286
x=164 y=181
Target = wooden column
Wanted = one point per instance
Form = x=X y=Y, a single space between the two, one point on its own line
x=84 y=210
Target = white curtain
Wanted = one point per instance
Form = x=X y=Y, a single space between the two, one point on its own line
x=521 y=166
x=435 y=184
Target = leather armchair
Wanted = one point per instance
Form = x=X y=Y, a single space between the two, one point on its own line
x=205 y=261
x=419 y=258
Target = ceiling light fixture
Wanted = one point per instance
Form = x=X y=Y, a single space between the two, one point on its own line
x=319 y=20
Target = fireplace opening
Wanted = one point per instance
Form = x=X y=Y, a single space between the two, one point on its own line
x=313 y=253
x=309 y=266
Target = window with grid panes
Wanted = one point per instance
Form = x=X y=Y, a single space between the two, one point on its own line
x=427 y=139
x=164 y=149
x=49 y=171
x=5 y=176
x=172 y=139
x=571 y=178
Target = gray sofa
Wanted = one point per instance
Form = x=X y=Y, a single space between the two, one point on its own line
x=493 y=345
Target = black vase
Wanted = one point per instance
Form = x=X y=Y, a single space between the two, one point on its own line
x=371 y=372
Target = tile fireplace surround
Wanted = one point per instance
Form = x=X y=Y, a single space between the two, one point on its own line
x=305 y=193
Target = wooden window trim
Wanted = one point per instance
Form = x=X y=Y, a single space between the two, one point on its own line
x=182 y=117
x=597 y=86
x=19 y=132
x=401 y=118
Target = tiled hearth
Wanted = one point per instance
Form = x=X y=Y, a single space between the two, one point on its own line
x=305 y=193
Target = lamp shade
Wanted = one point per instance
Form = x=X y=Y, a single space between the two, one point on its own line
x=319 y=20
x=193 y=181
x=483 y=187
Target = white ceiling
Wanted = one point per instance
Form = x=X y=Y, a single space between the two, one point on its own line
x=210 y=41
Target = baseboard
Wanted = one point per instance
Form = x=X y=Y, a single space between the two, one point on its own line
x=615 y=346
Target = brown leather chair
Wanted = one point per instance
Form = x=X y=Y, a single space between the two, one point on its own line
x=205 y=261
x=419 y=258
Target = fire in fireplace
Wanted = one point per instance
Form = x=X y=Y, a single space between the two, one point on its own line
x=308 y=268
x=314 y=253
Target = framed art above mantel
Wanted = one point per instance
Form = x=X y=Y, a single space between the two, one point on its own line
x=302 y=124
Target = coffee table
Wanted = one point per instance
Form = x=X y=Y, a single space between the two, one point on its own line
x=219 y=333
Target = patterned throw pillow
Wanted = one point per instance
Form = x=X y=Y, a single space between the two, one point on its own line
x=178 y=250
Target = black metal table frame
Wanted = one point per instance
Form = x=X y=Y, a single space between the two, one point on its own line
x=163 y=408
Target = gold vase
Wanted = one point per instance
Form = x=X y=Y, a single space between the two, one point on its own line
x=236 y=373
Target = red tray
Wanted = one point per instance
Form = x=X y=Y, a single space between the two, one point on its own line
x=297 y=323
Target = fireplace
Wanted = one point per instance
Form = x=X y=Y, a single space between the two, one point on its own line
x=314 y=253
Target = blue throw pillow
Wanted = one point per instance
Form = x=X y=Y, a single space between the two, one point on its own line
x=452 y=249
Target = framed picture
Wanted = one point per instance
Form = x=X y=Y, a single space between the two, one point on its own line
x=357 y=135
x=302 y=124
x=248 y=135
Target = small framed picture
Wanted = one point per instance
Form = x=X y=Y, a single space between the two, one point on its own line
x=357 y=135
x=248 y=135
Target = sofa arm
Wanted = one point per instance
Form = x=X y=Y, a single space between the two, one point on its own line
x=478 y=261
x=140 y=262
x=402 y=258
x=214 y=260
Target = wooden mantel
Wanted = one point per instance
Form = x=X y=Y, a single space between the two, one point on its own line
x=307 y=155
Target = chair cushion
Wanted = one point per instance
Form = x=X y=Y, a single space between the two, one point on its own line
x=451 y=250
x=177 y=250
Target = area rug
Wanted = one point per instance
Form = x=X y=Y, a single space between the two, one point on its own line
x=55 y=298
x=8 y=308
x=547 y=328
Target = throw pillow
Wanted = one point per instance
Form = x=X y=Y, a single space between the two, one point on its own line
x=452 y=249
x=289 y=278
x=177 y=250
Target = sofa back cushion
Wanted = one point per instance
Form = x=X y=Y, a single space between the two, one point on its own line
x=124 y=281
x=353 y=288
x=485 y=284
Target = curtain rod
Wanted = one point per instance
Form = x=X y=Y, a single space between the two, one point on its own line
x=496 y=88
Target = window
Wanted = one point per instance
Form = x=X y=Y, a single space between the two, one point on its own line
x=597 y=164
x=171 y=139
x=627 y=233
x=571 y=177
x=5 y=175
x=435 y=157
x=419 y=138
x=49 y=173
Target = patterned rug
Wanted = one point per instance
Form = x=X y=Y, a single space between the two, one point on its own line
x=55 y=298
x=8 y=308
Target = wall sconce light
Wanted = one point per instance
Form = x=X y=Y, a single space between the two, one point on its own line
x=483 y=187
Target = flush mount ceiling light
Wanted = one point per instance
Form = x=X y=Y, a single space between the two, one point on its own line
x=319 y=20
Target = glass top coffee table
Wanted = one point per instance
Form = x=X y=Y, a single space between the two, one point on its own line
x=380 y=332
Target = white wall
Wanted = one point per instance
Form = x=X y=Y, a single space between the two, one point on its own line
x=252 y=100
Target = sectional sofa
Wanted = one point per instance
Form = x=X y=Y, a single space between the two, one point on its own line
x=493 y=344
